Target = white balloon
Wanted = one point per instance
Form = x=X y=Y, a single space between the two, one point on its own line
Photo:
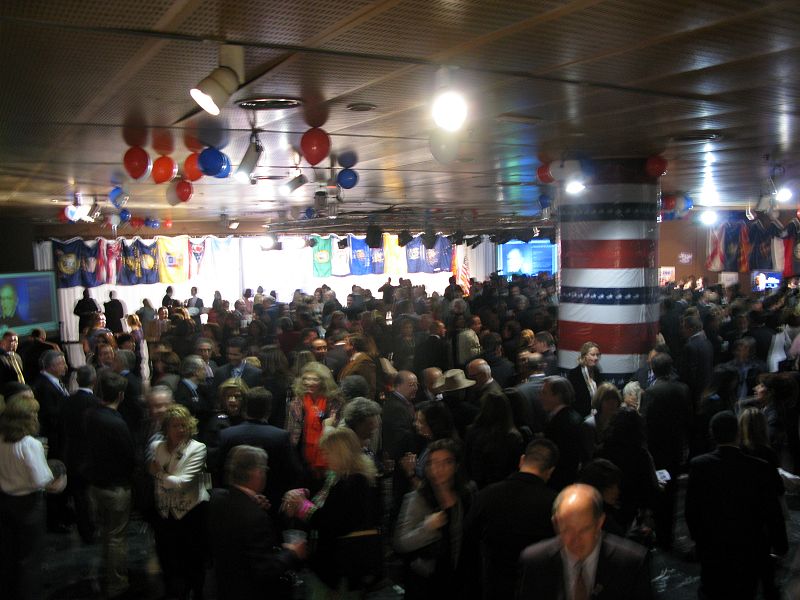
x=444 y=146
x=569 y=169
x=114 y=220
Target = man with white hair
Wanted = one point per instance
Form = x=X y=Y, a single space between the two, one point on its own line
x=582 y=562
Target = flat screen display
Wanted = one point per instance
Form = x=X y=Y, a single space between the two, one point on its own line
x=766 y=280
x=528 y=258
x=28 y=301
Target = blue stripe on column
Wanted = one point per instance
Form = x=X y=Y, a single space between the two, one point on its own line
x=610 y=296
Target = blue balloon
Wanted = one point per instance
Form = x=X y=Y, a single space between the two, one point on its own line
x=211 y=161
x=688 y=204
x=226 y=168
x=154 y=224
x=544 y=201
x=348 y=159
x=124 y=215
x=347 y=178
x=310 y=213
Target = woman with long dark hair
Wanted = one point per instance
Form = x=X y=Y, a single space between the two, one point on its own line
x=430 y=528
x=493 y=444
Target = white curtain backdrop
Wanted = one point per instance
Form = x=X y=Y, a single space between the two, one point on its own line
x=234 y=265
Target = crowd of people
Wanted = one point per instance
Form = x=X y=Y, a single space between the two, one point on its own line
x=264 y=439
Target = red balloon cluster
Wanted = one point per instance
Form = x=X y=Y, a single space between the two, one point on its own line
x=137 y=222
x=164 y=169
x=167 y=223
x=315 y=145
x=656 y=166
x=544 y=175
x=137 y=162
x=191 y=168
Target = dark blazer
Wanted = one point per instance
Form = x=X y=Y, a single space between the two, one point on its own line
x=132 y=406
x=564 y=429
x=250 y=375
x=335 y=360
x=433 y=351
x=248 y=559
x=73 y=416
x=115 y=312
x=530 y=391
x=397 y=432
x=695 y=365
x=667 y=409
x=201 y=405
x=622 y=571
x=583 y=397
x=507 y=517
x=284 y=467
x=502 y=370
x=51 y=402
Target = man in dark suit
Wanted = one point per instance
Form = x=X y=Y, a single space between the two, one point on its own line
x=544 y=344
x=85 y=309
x=509 y=516
x=204 y=348
x=398 y=415
x=733 y=514
x=582 y=562
x=564 y=428
x=243 y=539
x=531 y=366
x=285 y=472
x=115 y=312
x=434 y=350
x=132 y=406
x=76 y=451
x=11 y=367
x=336 y=356
x=195 y=306
x=236 y=367
x=502 y=369
x=697 y=359
x=31 y=352
x=193 y=393
x=481 y=373
x=667 y=410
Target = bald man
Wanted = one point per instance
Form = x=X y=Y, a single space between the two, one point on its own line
x=582 y=562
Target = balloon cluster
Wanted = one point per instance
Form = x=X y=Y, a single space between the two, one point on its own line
x=675 y=206
x=347 y=177
x=552 y=171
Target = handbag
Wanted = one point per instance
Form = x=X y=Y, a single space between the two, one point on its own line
x=359 y=557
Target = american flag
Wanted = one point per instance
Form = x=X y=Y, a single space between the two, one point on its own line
x=461 y=268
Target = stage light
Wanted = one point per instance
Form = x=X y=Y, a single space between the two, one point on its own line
x=784 y=194
x=293 y=185
x=269 y=242
x=247 y=166
x=449 y=109
x=404 y=237
x=233 y=225
x=213 y=92
x=708 y=217
x=374 y=236
x=574 y=187
x=343 y=243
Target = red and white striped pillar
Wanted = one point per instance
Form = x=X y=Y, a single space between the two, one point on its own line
x=608 y=280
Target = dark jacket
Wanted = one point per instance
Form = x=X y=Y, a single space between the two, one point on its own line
x=397 y=425
x=622 y=571
x=250 y=375
x=434 y=351
x=507 y=517
x=51 y=402
x=248 y=558
x=73 y=414
x=667 y=409
x=565 y=429
x=696 y=364
x=583 y=397
x=111 y=450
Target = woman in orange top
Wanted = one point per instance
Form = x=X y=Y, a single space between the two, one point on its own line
x=316 y=398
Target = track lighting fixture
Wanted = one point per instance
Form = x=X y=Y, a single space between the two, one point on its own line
x=213 y=92
x=293 y=185
x=247 y=166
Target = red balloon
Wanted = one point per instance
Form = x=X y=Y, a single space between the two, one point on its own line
x=62 y=216
x=191 y=141
x=668 y=202
x=656 y=166
x=544 y=175
x=184 y=190
x=137 y=162
x=137 y=222
x=191 y=168
x=163 y=143
x=315 y=144
x=167 y=223
x=164 y=169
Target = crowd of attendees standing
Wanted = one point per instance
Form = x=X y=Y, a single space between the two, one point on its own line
x=269 y=438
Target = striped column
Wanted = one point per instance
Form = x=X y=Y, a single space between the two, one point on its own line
x=608 y=281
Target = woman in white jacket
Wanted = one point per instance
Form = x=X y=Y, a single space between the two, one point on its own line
x=181 y=498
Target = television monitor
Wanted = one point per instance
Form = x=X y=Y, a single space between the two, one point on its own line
x=766 y=280
x=528 y=258
x=28 y=301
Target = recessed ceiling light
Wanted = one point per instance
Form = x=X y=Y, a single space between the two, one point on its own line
x=267 y=103
x=518 y=118
x=698 y=136
x=361 y=106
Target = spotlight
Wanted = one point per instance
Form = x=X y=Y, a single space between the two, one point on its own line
x=458 y=237
x=215 y=90
x=708 y=217
x=343 y=243
x=429 y=239
x=311 y=242
x=269 y=243
x=783 y=195
x=247 y=166
x=233 y=225
x=293 y=184
x=449 y=106
x=574 y=187
x=374 y=236
x=474 y=241
x=404 y=237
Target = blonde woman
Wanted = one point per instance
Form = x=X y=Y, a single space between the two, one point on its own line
x=178 y=467
x=346 y=509
x=585 y=378
x=316 y=398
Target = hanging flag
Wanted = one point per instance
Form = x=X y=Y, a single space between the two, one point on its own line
x=745 y=247
x=322 y=256
x=359 y=256
x=463 y=275
x=394 y=256
x=377 y=259
x=731 y=246
x=760 y=237
x=439 y=257
x=173 y=259
x=89 y=260
x=415 y=255
x=197 y=251
x=67 y=260
x=340 y=259
x=113 y=262
x=139 y=263
x=714 y=249
x=791 y=249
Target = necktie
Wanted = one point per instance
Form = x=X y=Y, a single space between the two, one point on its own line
x=17 y=370
x=579 y=590
x=63 y=389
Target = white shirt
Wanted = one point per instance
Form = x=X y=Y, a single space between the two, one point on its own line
x=23 y=467
x=589 y=569
x=180 y=485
